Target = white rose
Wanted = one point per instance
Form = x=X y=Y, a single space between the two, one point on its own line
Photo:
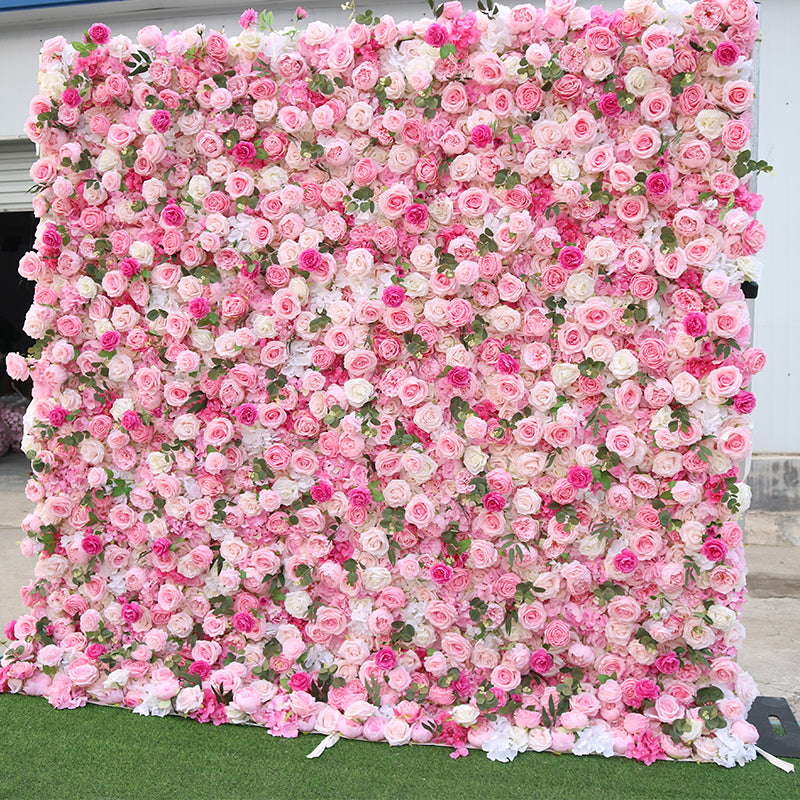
x=158 y=462
x=108 y=161
x=749 y=266
x=358 y=391
x=424 y=635
x=142 y=252
x=287 y=489
x=51 y=83
x=623 y=365
x=580 y=286
x=199 y=187
x=299 y=286
x=639 y=81
x=297 y=603
x=563 y=170
x=475 y=459
x=722 y=617
x=695 y=729
x=250 y=40
x=441 y=209
x=710 y=122
x=86 y=287
x=377 y=578
x=120 y=406
x=117 y=679
x=202 y=339
x=465 y=715
x=564 y=374
x=416 y=285
x=274 y=178
x=591 y=547
x=263 y=326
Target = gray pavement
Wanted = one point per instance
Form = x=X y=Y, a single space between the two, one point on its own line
x=770 y=653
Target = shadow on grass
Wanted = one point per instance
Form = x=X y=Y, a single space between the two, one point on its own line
x=98 y=753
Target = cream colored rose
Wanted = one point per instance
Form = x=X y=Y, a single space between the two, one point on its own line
x=504 y=318
x=580 y=286
x=475 y=459
x=564 y=374
x=158 y=462
x=429 y=417
x=297 y=603
x=263 y=326
x=623 y=365
x=358 y=391
x=424 y=635
x=722 y=617
x=710 y=122
x=202 y=340
x=377 y=578
x=465 y=715
x=374 y=542
x=199 y=187
x=639 y=81
x=416 y=285
x=108 y=161
x=86 y=287
x=441 y=209
x=287 y=489
x=120 y=406
x=563 y=170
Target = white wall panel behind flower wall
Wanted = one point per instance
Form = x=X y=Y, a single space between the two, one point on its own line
x=777 y=319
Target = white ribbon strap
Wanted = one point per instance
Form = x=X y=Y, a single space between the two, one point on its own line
x=329 y=741
x=775 y=761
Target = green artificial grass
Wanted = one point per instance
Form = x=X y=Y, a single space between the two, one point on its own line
x=98 y=753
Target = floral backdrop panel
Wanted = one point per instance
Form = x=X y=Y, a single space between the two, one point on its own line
x=391 y=380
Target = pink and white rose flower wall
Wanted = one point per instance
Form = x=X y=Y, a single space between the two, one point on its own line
x=391 y=380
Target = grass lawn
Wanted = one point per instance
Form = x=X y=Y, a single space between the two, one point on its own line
x=96 y=753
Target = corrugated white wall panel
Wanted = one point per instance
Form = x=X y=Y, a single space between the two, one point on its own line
x=16 y=157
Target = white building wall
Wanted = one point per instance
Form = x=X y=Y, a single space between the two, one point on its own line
x=777 y=314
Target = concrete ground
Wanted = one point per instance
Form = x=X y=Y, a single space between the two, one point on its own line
x=770 y=653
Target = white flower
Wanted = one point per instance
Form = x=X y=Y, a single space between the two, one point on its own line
x=86 y=287
x=158 y=462
x=506 y=741
x=287 y=489
x=710 y=122
x=465 y=715
x=142 y=251
x=377 y=578
x=263 y=326
x=297 y=603
x=108 y=161
x=563 y=170
x=416 y=285
x=639 y=81
x=202 y=339
x=120 y=406
x=117 y=679
x=424 y=635
x=595 y=739
x=564 y=374
x=358 y=391
x=623 y=365
x=722 y=617
x=731 y=750
x=475 y=459
x=580 y=286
